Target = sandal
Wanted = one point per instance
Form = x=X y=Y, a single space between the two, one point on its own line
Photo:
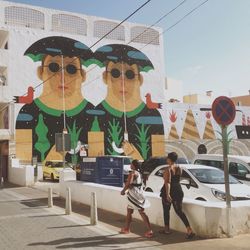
x=124 y=231
x=149 y=234
x=163 y=231
x=190 y=236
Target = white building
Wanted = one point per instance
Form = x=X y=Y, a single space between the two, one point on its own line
x=206 y=98
x=21 y=25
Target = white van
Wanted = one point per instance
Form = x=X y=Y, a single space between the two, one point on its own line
x=239 y=166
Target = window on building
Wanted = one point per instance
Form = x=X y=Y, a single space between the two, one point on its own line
x=4 y=39
x=140 y=34
x=101 y=28
x=3 y=76
x=69 y=24
x=22 y=16
x=4 y=116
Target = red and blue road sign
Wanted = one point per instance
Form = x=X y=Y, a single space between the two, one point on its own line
x=223 y=110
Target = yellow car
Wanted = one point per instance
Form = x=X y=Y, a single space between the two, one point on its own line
x=52 y=169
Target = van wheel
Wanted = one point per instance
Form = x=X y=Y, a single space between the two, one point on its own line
x=52 y=177
x=200 y=199
x=149 y=190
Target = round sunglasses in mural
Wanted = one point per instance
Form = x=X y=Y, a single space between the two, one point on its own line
x=129 y=74
x=55 y=67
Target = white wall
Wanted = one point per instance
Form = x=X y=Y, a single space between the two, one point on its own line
x=22 y=70
x=207 y=219
x=23 y=175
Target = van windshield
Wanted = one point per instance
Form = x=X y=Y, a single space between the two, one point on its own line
x=212 y=176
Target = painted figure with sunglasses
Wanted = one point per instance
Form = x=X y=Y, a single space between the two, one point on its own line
x=38 y=122
x=130 y=127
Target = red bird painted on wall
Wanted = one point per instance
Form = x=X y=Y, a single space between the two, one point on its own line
x=150 y=104
x=25 y=98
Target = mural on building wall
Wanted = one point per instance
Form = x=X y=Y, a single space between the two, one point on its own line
x=173 y=134
x=131 y=125
x=126 y=122
x=39 y=119
x=192 y=129
x=122 y=124
x=243 y=130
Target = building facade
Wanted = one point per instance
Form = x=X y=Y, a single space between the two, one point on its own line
x=206 y=98
x=110 y=96
x=23 y=26
x=242 y=100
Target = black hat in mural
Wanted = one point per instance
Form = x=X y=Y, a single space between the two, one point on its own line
x=58 y=45
x=122 y=53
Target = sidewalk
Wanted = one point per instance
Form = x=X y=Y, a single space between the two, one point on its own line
x=27 y=223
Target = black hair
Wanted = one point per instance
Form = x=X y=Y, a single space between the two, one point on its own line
x=172 y=156
x=137 y=165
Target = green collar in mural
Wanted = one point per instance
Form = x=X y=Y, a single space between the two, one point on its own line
x=118 y=113
x=56 y=112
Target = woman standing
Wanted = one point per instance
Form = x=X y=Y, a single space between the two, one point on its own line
x=171 y=192
x=136 y=199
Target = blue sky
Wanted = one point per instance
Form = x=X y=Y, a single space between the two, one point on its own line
x=209 y=50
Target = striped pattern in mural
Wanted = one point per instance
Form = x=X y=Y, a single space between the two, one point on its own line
x=190 y=131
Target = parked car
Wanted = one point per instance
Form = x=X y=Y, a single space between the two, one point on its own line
x=239 y=166
x=201 y=183
x=52 y=169
x=152 y=163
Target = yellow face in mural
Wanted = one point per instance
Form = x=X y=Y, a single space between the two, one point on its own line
x=50 y=72
x=125 y=84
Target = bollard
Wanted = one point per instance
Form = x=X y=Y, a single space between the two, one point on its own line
x=1 y=182
x=50 y=197
x=68 y=207
x=93 y=209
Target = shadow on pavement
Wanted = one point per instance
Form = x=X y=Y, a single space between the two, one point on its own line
x=45 y=215
x=95 y=241
x=6 y=184
x=113 y=219
x=71 y=226
x=32 y=203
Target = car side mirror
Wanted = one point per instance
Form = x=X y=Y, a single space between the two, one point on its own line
x=185 y=182
x=248 y=176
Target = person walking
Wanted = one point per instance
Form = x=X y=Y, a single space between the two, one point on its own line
x=171 y=193
x=136 y=199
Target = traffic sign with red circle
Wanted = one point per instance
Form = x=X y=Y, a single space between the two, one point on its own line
x=223 y=110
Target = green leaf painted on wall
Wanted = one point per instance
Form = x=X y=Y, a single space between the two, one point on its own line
x=35 y=58
x=143 y=138
x=42 y=145
x=74 y=138
x=95 y=125
x=115 y=135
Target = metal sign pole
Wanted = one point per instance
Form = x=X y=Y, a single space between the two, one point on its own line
x=223 y=110
x=225 y=158
x=226 y=177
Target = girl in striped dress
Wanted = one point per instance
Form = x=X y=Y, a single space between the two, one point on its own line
x=136 y=199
